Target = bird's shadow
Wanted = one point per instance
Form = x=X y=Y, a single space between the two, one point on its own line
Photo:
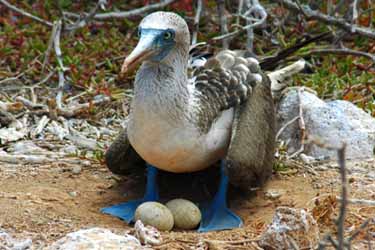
x=198 y=186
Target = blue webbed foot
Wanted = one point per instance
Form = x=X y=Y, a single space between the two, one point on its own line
x=126 y=210
x=217 y=216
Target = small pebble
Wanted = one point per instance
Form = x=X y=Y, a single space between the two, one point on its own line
x=155 y=214
x=86 y=163
x=273 y=194
x=70 y=149
x=73 y=194
x=185 y=213
x=306 y=158
x=76 y=169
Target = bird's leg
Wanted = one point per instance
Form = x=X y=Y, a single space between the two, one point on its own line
x=126 y=210
x=217 y=216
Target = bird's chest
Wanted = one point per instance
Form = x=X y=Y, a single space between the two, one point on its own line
x=172 y=144
x=162 y=141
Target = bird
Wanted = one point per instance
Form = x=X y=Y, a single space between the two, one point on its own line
x=184 y=120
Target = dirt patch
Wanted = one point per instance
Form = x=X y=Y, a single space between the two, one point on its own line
x=47 y=201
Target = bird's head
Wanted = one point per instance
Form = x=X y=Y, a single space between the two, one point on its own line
x=159 y=34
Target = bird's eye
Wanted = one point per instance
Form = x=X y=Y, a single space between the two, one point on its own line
x=139 y=33
x=168 y=35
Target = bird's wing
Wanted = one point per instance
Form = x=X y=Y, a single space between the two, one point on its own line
x=224 y=81
x=199 y=53
x=121 y=158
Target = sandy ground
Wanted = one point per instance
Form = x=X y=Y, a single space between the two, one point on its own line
x=44 y=202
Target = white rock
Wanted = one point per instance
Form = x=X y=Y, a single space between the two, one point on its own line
x=273 y=194
x=10 y=134
x=96 y=239
x=147 y=234
x=77 y=169
x=290 y=227
x=9 y=243
x=70 y=149
x=27 y=147
x=333 y=122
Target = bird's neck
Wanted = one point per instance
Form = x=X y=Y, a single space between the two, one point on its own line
x=161 y=87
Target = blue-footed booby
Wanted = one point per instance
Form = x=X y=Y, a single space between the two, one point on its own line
x=181 y=122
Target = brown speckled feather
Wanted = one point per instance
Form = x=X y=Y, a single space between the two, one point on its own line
x=225 y=81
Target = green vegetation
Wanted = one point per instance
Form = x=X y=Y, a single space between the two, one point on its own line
x=93 y=54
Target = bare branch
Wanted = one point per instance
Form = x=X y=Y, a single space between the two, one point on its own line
x=239 y=12
x=30 y=105
x=223 y=23
x=330 y=20
x=83 y=22
x=363 y=226
x=281 y=130
x=344 y=195
x=126 y=14
x=49 y=48
x=255 y=13
x=74 y=110
x=24 y=13
x=12 y=78
x=341 y=241
x=302 y=126
x=360 y=201
x=61 y=68
x=344 y=51
x=196 y=22
x=255 y=10
x=355 y=10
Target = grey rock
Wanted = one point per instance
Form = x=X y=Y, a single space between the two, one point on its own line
x=96 y=239
x=333 y=122
x=274 y=194
x=70 y=149
x=77 y=169
x=73 y=194
x=147 y=235
x=9 y=243
x=290 y=229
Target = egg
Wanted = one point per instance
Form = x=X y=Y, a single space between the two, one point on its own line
x=155 y=214
x=185 y=213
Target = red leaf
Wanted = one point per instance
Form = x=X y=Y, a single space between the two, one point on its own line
x=183 y=5
x=17 y=42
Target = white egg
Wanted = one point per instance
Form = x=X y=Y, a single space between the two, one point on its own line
x=185 y=213
x=155 y=214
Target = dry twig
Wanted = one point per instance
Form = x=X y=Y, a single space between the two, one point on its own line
x=84 y=21
x=302 y=126
x=256 y=16
x=330 y=20
x=223 y=23
x=61 y=69
x=344 y=195
x=341 y=241
x=24 y=13
x=196 y=22
x=127 y=14
x=281 y=130
x=344 y=51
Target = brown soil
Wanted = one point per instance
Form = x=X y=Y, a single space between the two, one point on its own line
x=46 y=202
